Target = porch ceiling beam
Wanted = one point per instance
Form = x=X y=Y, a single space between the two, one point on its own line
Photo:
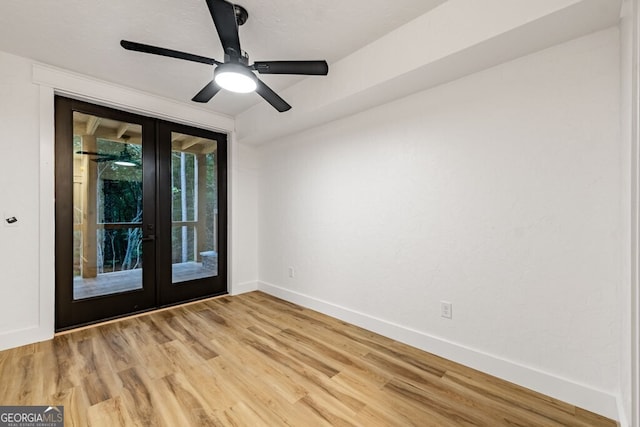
x=92 y=125
x=122 y=130
x=110 y=134
x=190 y=142
x=175 y=137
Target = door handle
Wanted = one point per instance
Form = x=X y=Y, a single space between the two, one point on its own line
x=149 y=238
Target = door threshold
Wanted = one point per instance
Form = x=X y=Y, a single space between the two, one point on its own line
x=142 y=313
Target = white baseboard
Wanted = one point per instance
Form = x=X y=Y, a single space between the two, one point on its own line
x=622 y=415
x=25 y=336
x=563 y=389
x=241 y=288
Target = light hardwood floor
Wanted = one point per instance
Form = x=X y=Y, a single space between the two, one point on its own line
x=254 y=360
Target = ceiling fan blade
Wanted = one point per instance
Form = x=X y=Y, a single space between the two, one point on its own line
x=92 y=153
x=224 y=18
x=271 y=97
x=311 y=68
x=155 y=50
x=207 y=92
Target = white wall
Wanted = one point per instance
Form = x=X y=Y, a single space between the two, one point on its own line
x=19 y=196
x=626 y=98
x=244 y=213
x=630 y=95
x=500 y=192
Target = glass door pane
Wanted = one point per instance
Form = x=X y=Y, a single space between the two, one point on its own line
x=194 y=208
x=107 y=206
x=192 y=213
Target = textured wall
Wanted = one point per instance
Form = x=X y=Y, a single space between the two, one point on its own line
x=500 y=192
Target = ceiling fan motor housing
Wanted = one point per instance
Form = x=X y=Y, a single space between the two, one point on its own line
x=242 y=59
x=241 y=14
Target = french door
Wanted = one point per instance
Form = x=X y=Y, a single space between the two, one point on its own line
x=140 y=213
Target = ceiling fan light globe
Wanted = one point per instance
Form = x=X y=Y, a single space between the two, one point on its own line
x=235 y=79
x=124 y=163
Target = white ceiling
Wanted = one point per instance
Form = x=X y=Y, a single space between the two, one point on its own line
x=83 y=36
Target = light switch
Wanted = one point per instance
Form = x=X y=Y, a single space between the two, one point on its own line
x=10 y=219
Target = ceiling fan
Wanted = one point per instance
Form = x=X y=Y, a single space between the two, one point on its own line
x=124 y=158
x=235 y=73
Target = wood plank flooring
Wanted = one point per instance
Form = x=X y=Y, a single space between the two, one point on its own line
x=254 y=360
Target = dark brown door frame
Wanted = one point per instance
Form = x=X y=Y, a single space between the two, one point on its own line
x=157 y=290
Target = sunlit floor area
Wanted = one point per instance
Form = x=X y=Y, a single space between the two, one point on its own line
x=130 y=280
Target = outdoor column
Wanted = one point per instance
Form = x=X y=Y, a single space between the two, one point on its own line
x=89 y=219
x=201 y=225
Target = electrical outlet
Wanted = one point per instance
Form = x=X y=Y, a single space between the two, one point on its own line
x=446 y=310
x=292 y=272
